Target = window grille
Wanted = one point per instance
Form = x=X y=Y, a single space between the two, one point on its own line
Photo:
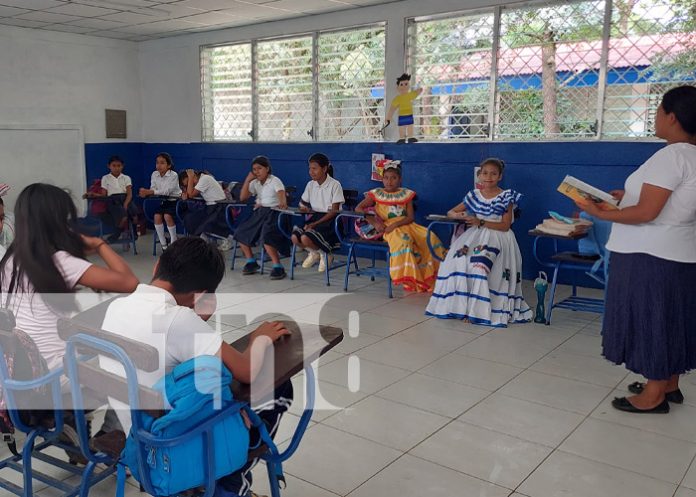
x=351 y=84
x=227 y=92
x=285 y=93
x=652 y=49
x=451 y=60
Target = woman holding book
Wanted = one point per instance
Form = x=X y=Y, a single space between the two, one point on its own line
x=650 y=302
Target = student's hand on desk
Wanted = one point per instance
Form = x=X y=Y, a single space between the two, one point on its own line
x=184 y=196
x=470 y=220
x=283 y=205
x=144 y=192
x=273 y=330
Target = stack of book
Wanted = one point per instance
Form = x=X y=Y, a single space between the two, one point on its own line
x=564 y=226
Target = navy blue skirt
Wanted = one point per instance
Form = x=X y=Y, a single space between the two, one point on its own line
x=650 y=316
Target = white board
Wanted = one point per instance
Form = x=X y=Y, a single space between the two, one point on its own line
x=53 y=153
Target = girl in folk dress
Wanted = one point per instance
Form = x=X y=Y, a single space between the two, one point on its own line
x=480 y=280
x=411 y=263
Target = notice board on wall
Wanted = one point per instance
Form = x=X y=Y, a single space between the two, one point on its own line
x=53 y=153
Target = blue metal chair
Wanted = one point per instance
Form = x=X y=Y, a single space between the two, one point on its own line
x=49 y=432
x=595 y=265
x=133 y=394
x=355 y=243
x=94 y=226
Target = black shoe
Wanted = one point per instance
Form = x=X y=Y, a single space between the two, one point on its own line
x=113 y=237
x=413 y=140
x=675 y=397
x=278 y=273
x=400 y=141
x=622 y=404
x=251 y=268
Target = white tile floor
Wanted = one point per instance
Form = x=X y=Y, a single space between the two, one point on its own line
x=447 y=409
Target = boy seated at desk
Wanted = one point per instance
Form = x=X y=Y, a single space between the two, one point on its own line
x=162 y=314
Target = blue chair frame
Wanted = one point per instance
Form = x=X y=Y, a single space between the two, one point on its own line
x=31 y=450
x=97 y=227
x=572 y=261
x=450 y=224
x=354 y=244
x=273 y=457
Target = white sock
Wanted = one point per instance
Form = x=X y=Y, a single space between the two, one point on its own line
x=159 y=228
x=172 y=233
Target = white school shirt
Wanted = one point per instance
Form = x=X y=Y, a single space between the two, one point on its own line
x=210 y=189
x=151 y=315
x=33 y=314
x=114 y=185
x=322 y=197
x=167 y=185
x=672 y=234
x=267 y=194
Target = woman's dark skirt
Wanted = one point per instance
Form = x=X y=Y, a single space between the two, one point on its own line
x=323 y=235
x=650 y=315
x=262 y=228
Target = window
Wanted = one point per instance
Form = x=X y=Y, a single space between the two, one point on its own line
x=327 y=86
x=568 y=70
x=351 y=84
x=548 y=71
x=652 y=49
x=226 y=91
x=451 y=60
x=284 y=74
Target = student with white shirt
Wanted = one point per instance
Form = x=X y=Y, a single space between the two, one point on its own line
x=323 y=196
x=650 y=298
x=165 y=183
x=170 y=314
x=47 y=260
x=262 y=225
x=210 y=218
x=118 y=189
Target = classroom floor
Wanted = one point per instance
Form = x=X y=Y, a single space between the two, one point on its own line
x=448 y=409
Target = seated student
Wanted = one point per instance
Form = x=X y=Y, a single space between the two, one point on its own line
x=480 y=280
x=118 y=189
x=162 y=314
x=164 y=182
x=262 y=225
x=411 y=263
x=211 y=218
x=47 y=260
x=324 y=196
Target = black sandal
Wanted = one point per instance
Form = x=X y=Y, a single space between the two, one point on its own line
x=675 y=396
x=623 y=404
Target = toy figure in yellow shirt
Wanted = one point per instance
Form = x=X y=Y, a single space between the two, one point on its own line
x=404 y=102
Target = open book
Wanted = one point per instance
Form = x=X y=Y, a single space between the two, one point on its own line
x=579 y=190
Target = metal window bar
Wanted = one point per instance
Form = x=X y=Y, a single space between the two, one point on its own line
x=350 y=84
x=226 y=92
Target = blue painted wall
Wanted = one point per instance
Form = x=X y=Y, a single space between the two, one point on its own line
x=440 y=173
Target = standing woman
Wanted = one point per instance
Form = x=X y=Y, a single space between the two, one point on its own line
x=650 y=316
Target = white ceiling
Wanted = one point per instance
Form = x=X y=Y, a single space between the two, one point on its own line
x=140 y=20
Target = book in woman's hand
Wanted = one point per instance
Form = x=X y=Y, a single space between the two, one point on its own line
x=580 y=191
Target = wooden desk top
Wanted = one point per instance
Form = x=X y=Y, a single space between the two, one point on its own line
x=557 y=237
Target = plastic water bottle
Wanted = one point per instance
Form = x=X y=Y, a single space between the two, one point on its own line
x=541 y=284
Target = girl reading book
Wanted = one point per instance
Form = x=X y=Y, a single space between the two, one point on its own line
x=480 y=280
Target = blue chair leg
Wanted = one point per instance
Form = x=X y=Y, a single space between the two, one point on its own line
x=293 y=252
x=154 y=244
x=263 y=259
x=389 y=280
x=552 y=293
x=325 y=255
x=27 y=449
x=133 y=233
x=350 y=254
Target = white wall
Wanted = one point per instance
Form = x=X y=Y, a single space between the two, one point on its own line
x=61 y=78
x=170 y=71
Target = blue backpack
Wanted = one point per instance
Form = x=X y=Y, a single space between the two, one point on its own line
x=197 y=390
